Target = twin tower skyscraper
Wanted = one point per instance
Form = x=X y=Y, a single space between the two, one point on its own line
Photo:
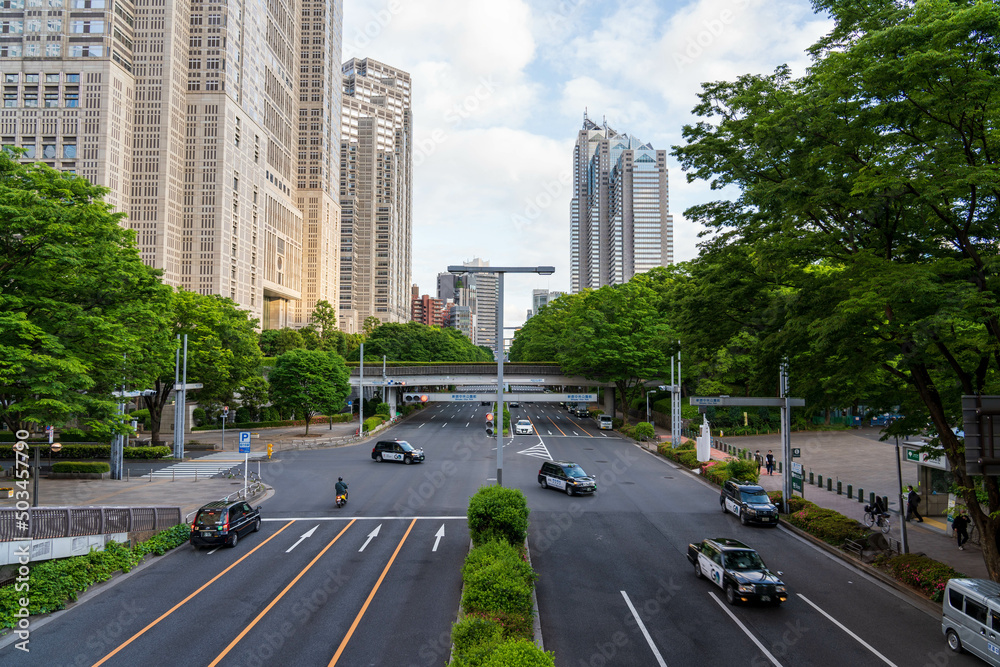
x=249 y=159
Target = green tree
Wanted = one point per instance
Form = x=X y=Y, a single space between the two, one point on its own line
x=370 y=324
x=310 y=382
x=875 y=179
x=76 y=302
x=413 y=341
x=275 y=342
x=254 y=395
x=223 y=351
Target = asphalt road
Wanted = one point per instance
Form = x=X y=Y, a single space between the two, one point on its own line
x=378 y=581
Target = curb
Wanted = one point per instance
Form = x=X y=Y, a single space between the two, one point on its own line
x=915 y=598
x=536 y=626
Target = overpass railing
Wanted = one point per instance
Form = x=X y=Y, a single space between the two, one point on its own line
x=373 y=370
x=53 y=522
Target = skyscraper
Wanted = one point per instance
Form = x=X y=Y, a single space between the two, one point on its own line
x=540 y=298
x=619 y=216
x=190 y=112
x=375 y=185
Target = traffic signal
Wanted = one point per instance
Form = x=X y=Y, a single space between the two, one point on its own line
x=489 y=424
x=415 y=398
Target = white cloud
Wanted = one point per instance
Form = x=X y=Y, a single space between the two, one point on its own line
x=499 y=90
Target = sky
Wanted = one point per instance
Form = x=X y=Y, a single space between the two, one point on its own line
x=500 y=88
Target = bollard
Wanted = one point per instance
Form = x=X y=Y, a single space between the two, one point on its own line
x=850 y=492
x=885 y=502
x=150 y=474
x=861 y=495
x=810 y=477
x=779 y=467
x=829 y=484
x=840 y=488
x=819 y=481
x=196 y=474
x=173 y=475
x=871 y=498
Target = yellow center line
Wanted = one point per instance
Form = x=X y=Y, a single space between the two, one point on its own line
x=364 y=607
x=278 y=597
x=585 y=431
x=554 y=424
x=185 y=600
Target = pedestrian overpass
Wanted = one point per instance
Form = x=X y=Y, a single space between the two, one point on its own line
x=472 y=382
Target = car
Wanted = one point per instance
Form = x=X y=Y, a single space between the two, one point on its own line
x=738 y=570
x=605 y=422
x=566 y=476
x=513 y=404
x=749 y=502
x=485 y=402
x=396 y=450
x=222 y=522
x=971 y=617
x=522 y=427
x=581 y=411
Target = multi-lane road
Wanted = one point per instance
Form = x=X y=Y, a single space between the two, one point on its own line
x=378 y=581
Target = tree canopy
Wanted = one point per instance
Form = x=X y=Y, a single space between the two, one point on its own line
x=76 y=302
x=872 y=182
x=309 y=382
x=413 y=341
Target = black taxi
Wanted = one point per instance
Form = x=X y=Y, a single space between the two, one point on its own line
x=566 y=476
x=738 y=570
x=749 y=502
x=222 y=522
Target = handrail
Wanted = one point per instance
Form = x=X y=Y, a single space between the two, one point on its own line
x=53 y=522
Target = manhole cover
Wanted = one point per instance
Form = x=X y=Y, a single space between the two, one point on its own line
x=665 y=477
x=589 y=449
x=600 y=461
x=626 y=482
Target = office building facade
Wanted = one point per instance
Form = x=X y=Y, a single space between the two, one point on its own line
x=214 y=126
x=375 y=194
x=620 y=224
x=540 y=298
x=426 y=309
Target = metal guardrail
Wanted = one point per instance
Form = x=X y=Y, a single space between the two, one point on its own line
x=53 y=522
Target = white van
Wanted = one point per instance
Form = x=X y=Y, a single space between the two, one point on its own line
x=971 y=618
x=605 y=422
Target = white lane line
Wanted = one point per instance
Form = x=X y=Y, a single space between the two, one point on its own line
x=213 y=551
x=645 y=632
x=444 y=424
x=841 y=626
x=422 y=425
x=767 y=653
x=467 y=424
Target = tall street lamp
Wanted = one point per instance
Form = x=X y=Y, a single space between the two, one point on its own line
x=499 y=271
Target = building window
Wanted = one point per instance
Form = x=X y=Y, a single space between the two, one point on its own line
x=29 y=151
x=31 y=99
x=69 y=151
x=86 y=50
x=51 y=100
x=86 y=27
x=48 y=151
x=72 y=78
x=11 y=27
x=72 y=100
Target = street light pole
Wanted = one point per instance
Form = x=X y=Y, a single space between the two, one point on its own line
x=903 y=546
x=499 y=271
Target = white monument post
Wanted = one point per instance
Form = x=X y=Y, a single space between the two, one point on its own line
x=705 y=441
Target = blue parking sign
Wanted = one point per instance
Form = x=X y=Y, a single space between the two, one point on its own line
x=244 y=442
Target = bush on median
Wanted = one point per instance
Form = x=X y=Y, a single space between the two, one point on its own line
x=496 y=512
x=830 y=526
x=73 y=451
x=498 y=586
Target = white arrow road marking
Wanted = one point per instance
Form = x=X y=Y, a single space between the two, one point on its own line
x=306 y=534
x=437 y=537
x=539 y=451
x=371 y=536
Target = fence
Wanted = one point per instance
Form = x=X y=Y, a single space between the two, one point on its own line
x=53 y=522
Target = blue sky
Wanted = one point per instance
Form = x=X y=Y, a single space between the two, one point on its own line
x=499 y=92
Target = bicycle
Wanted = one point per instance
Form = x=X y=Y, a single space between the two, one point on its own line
x=875 y=518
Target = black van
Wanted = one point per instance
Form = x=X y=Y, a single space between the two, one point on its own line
x=749 y=502
x=566 y=476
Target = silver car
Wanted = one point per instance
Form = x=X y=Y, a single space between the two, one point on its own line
x=522 y=427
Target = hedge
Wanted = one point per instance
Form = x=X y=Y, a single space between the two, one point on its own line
x=56 y=582
x=71 y=466
x=337 y=419
x=90 y=452
x=921 y=572
x=830 y=526
x=520 y=653
x=473 y=639
x=374 y=422
x=69 y=435
x=496 y=512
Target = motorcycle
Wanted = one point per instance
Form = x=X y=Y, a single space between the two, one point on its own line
x=341 y=499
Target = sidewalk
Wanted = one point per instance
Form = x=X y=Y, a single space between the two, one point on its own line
x=870 y=464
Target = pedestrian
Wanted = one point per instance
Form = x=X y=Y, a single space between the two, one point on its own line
x=961 y=525
x=912 y=500
x=769 y=462
x=760 y=461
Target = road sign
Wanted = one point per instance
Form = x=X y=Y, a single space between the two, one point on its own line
x=350 y=403
x=796 y=468
x=796 y=483
x=244 y=442
x=796 y=453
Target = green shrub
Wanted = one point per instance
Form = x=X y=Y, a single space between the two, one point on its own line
x=198 y=414
x=70 y=466
x=56 y=582
x=644 y=431
x=519 y=653
x=746 y=471
x=716 y=473
x=830 y=526
x=500 y=593
x=498 y=551
x=496 y=512
x=270 y=414
x=74 y=451
x=141 y=416
x=474 y=638
x=688 y=459
x=243 y=415
x=797 y=503
x=921 y=572
x=373 y=422
x=383 y=409
x=776 y=498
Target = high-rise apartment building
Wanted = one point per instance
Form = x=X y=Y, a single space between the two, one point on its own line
x=215 y=126
x=375 y=194
x=426 y=309
x=619 y=216
x=481 y=293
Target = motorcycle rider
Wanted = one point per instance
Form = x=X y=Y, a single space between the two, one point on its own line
x=341 y=487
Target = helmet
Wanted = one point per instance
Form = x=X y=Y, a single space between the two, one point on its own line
x=340 y=479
